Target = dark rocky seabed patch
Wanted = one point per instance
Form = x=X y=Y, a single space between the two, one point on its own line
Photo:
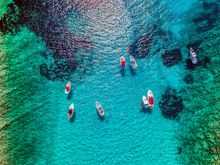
x=171 y=57
x=171 y=103
x=49 y=22
x=200 y=118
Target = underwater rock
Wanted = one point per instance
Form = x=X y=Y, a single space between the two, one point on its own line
x=200 y=18
x=209 y=23
x=179 y=150
x=189 y=64
x=214 y=6
x=188 y=79
x=194 y=45
x=162 y=33
x=43 y=69
x=201 y=62
x=208 y=18
x=171 y=104
x=47 y=19
x=171 y=57
x=141 y=46
x=59 y=70
x=9 y=22
x=204 y=61
x=206 y=28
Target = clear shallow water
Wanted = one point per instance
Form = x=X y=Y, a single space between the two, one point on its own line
x=127 y=135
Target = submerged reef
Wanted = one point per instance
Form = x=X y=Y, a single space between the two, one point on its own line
x=49 y=21
x=195 y=45
x=23 y=101
x=171 y=104
x=171 y=57
x=4 y=7
x=200 y=134
x=141 y=46
x=207 y=20
x=151 y=42
x=9 y=21
x=188 y=78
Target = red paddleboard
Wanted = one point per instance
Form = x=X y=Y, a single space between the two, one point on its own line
x=150 y=99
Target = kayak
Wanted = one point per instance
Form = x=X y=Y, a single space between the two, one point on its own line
x=144 y=102
x=70 y=111
x=144 y=99
x=99 y=109
x=193 y=56
x=150 y=99
x=68 y=88
x=122 y=61
x=133 y=62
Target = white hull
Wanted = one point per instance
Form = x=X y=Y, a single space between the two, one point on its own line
x=194 y=60
x=193 y=56
x=121 y=60
x=99 y=109
x=144 y=99
x=68 y=91
x=71 y=107
x=150 y=94
x=133 y=62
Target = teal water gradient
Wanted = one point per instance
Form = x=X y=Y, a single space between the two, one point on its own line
x=127 y=135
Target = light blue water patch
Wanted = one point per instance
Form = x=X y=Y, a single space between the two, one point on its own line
x=178 y=10
x=181 y=7
x=127 y=135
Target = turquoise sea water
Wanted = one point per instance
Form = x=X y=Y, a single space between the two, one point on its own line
x=127 y=134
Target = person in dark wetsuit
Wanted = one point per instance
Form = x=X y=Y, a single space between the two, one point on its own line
x=70 y=111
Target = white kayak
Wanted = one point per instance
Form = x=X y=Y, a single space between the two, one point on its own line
x=68 y=87
x=70 y=111
x=122 y=61
x=133 y=62
x=99 y=109
x=150 y=99
x=193 y=56
x=144 y=99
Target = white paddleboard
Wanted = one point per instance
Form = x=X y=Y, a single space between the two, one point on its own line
x=71 y=107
